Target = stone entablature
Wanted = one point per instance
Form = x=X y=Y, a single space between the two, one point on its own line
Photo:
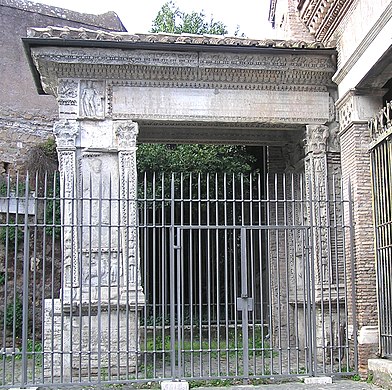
x=187 y=83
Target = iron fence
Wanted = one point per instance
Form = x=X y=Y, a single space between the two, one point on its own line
x=227 y=282
x=381 y=155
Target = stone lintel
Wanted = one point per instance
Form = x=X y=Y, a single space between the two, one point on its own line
x=251 y=134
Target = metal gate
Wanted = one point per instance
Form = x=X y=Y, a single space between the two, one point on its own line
x=237 y=280
x=237 y=277
x=381 y=155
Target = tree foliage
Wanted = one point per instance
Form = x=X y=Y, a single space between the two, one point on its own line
x=171 y=19
x=194 y=158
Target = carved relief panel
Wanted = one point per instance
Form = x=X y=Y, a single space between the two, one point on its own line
x=92 y=99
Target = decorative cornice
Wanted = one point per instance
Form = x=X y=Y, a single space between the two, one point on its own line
x=322 y=17
x=363 y=46
x=357 y=107
x=69 y=33
x=294 y=71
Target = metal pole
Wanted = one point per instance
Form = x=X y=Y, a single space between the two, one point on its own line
x=353 y=293
x=25 y=286
x=172 y=287
x=244 y=298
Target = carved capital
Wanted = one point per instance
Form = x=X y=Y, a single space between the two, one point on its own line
x=66 y=132
x=316 y=139
x=356 y=106
x=126 y=133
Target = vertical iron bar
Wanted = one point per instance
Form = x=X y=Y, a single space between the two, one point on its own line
x=353 y=293
x=311 y=280
x=244 y=296
x=179 y=283
x=269 y=275
x=217 y=256
x=26 y=259
x=172 y=284
x=226 y=273
x=208 y=232
x=287 y=279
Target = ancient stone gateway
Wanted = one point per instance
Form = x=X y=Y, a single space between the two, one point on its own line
x=115 y=90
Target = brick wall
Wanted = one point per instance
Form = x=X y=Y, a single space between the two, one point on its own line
x=356 y=168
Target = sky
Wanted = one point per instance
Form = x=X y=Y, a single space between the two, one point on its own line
x=137 y=15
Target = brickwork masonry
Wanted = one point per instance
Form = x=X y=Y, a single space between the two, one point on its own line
x=356 y=168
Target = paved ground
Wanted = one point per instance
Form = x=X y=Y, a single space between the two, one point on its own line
x=338 y=384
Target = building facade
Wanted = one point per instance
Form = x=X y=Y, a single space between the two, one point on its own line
x=361 y=32
x=272 y=275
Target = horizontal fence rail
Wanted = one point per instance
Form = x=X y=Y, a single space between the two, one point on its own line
x=221 y=277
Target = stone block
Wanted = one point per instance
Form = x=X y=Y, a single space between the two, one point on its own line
x=174 y=385
x=89 y=339
x=381 y=370
x=318 y=380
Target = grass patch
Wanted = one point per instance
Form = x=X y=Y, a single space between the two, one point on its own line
x=227 y=345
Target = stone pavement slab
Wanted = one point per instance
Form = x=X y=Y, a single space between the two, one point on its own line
x=338 y=384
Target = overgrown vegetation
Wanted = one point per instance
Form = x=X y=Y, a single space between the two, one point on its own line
x=42 y=159
x=14 y=316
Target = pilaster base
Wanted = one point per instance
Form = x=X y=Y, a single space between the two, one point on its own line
x=89 y=339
